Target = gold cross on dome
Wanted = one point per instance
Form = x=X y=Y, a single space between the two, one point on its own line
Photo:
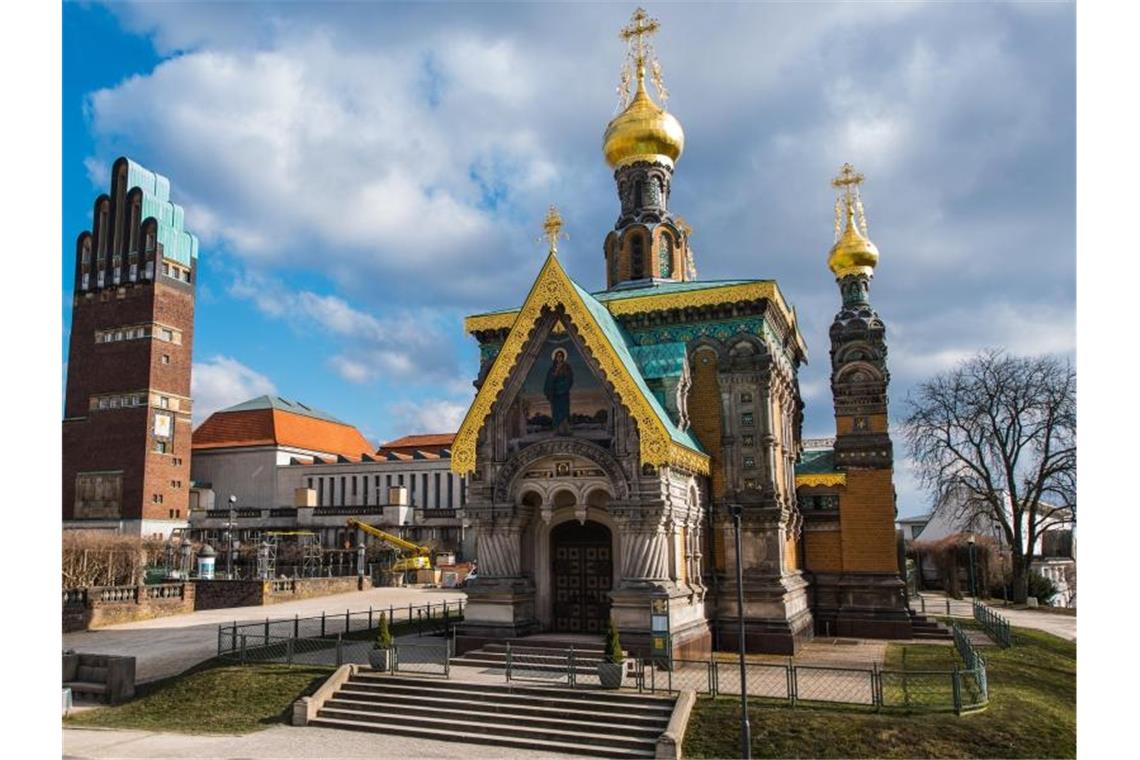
x=847 y=178
x=552 y=228
x=639 y=28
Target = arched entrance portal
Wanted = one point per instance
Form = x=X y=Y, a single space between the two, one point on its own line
x=582 y=576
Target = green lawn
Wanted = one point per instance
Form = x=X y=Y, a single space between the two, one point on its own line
x=1032 y=713
x=212 y=698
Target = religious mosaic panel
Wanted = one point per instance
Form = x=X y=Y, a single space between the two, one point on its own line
x=561 y=397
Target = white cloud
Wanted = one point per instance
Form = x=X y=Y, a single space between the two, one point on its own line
x=430 y=416
x=401 y=345
x=222 y=381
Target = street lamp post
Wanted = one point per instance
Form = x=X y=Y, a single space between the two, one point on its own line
x=745 y=728
x=230 y=530
x=973 y=583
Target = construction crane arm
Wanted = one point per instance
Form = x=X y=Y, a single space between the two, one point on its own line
x=407 y=546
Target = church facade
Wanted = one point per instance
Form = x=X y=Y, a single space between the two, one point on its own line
x=617 y=436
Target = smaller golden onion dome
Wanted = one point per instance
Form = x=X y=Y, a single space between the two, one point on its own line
x=643 y=132
x=852 y=253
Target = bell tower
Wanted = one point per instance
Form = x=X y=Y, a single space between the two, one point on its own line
x=642 y=144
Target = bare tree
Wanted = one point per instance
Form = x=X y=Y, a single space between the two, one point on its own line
x=996 y=435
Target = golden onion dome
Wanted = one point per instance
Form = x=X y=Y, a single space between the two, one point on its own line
x=643 y=132
x=852 y=253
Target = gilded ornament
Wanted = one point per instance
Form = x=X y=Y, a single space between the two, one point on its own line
x=821 y=480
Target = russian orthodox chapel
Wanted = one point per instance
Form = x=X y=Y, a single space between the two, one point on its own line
x=615 y=434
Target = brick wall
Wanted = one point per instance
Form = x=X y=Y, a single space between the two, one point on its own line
x=216 y=595
x=307 y=588
x=705 y=413
x=867 y=520
x=823 y=551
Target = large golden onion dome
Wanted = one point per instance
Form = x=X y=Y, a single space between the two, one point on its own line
x=643 y=132
x=853 y=253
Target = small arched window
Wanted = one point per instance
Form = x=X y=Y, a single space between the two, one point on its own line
x=637 y=257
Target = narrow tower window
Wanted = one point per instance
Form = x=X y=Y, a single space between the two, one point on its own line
x=637 y=258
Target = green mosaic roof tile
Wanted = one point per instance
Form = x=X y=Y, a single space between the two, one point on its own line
x=816 y=462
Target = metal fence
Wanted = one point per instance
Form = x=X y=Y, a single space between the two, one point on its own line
x=994 y=624
x=946 y=690
x=247 y=649
x=425 y=620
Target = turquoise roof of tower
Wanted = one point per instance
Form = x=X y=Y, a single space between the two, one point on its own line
x=816 y=462
x=621 y=343
x=177 y=244
x=284 y=405
x=660 y=288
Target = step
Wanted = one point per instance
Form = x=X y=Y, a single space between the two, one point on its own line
x=531 y=653
x=596 y=651
x=561 y=644
x=435 y=701
x=499 y=729
x=555 y=698
x=460 y=711
x=423 y=685
x=446 y=733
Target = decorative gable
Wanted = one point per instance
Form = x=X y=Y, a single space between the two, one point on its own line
x=661 y=443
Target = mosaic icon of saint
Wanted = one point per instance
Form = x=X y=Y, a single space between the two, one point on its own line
x=559 y=378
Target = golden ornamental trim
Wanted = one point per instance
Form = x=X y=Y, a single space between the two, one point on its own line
x=552 y=288
x=711 y=296
x=821 y=480
x=481 y=322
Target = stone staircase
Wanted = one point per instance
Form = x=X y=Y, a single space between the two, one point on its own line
x=924 y=628
x=579 y=722
x=535 y=657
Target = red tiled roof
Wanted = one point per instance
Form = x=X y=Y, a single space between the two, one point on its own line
x=420 y=440
x=422 y=443
x=266 y=427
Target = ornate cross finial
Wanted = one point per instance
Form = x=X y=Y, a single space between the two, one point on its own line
x=552 y=228
x=640 y=53
x=848 y=199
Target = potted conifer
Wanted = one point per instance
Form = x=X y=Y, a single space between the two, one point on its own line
x=380 y=657
x=612 y=667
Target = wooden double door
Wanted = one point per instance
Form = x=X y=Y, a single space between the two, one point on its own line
x=581 y=576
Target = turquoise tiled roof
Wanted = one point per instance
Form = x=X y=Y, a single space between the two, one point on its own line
x=621 y=342
x=660 y=359
x=816 y=461
x=177 y=244
x=284 y=405
x=660 y=288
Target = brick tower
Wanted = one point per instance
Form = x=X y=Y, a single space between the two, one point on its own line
x=847 y=492
x=126 y=426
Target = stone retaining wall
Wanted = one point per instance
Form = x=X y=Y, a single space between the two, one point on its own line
x=110 y=605
x=103 y=606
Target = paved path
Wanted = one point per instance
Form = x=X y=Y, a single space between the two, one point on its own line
x=167 y=646
x=273 y=743
x=1064 y=626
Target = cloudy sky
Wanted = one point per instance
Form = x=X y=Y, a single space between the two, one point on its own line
x=363 y=175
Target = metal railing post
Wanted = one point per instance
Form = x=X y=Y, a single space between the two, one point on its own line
x=571 y=676
x=219 y=641
x=242 y=659
x=795 y=683
x=508 y=661
x=233 y=639
x=339 y=651
x=922 y=599
x=289 y=651
x=347 y=622
x=322 y=624
x=266 y=631
x=957 y=686
x=947 y=606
